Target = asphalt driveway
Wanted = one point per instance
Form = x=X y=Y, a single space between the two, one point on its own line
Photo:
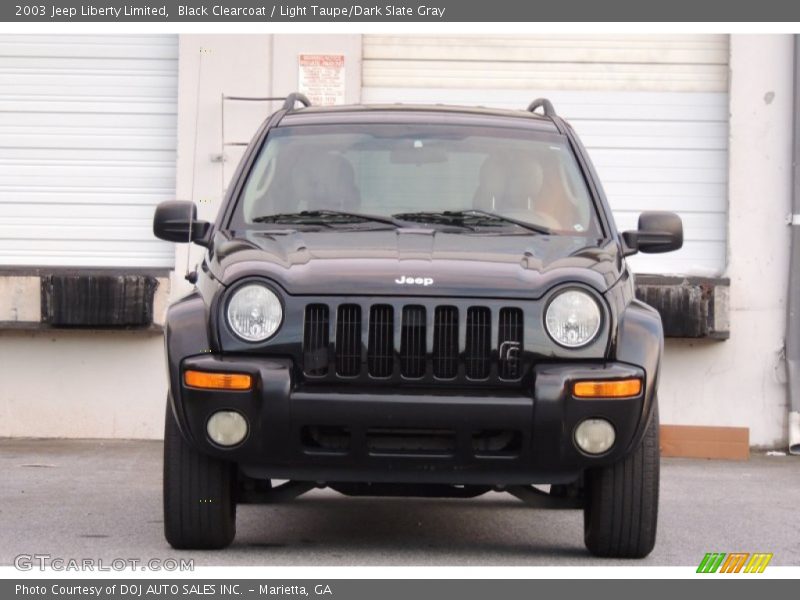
x=77 y=499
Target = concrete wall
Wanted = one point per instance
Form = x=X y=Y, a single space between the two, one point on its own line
x=106 y=384
x=741 y=382
x=113 y=384
x=82 y=384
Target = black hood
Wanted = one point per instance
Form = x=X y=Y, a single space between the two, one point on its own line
x=381 y=262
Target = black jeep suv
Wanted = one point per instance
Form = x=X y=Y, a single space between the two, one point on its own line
x=419 y=301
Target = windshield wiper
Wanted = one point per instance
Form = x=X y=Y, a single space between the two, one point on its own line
x=326 y=217
x=435 y=218
x=490 y=216
x=465 y=218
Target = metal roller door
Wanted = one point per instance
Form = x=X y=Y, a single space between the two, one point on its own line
x=87 y=148
x=652 y=110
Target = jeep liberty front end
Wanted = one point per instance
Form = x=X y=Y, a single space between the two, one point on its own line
x=420 y=301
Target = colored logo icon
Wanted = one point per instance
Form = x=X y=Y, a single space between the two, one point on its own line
x=736 y=562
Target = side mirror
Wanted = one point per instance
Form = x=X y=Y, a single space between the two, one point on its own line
x=176 y=221
x=659 y=231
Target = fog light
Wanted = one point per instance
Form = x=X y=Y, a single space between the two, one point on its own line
x=227 y=428
x=595 y=436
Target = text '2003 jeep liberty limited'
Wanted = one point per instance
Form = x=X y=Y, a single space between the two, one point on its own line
x=415 y=301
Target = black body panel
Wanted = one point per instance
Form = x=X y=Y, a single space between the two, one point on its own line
x=370 y=262
x=455 y=435
x=451 y=379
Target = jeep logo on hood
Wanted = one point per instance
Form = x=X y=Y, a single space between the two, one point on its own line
x=405 y=280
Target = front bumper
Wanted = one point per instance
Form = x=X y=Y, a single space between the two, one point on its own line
x=410 y=435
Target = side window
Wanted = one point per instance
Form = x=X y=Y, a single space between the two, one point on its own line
x=262 y=176
x=579 y=203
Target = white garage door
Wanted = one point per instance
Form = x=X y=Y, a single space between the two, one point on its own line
x=652 y=111
x=87 y=148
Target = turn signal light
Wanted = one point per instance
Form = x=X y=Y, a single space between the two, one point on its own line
x=217 y=381
x=623 y=388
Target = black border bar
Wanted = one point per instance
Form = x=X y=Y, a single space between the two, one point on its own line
x=397 y=11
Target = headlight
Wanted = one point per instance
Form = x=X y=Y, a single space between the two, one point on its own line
x=254 y=312
x=573 y=318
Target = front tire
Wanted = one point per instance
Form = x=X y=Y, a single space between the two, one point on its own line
x=199 y=494
x=621 y=510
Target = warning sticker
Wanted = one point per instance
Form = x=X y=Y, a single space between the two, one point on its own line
x=321 y=78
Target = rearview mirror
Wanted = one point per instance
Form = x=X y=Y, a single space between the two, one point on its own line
x=659 y=231
x=176 y=221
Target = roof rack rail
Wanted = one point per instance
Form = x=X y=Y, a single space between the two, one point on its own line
x=544 y=103
x=288 y=101
x=293 y=99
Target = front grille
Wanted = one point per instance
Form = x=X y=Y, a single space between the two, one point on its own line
x=315 y=340
x=421 y=341
x=380 y=349
x=348 y=340
x=479 y=339
x=445 y=342
x=412 y=342
x=404 y=440
x=509 y=342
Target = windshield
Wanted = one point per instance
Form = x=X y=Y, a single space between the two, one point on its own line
x=423 y=175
